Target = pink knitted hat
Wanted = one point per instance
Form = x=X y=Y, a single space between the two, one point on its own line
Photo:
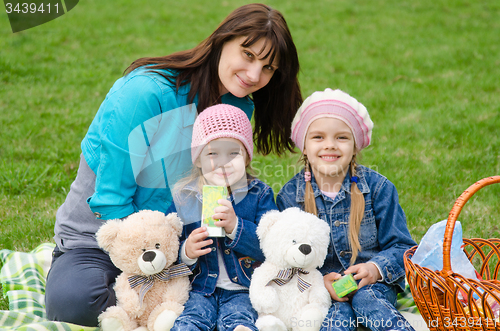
x=335 y=104
x=221 y=121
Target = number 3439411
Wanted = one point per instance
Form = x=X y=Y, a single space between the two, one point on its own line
x=469 y=322
x=31 y=8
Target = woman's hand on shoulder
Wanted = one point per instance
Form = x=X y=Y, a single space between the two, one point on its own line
x=329 y=279
x=226 y=216
x=367 y=272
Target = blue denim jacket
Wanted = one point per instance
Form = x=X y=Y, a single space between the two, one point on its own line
x=139 y=143
x=384 y=235
x=241 y=255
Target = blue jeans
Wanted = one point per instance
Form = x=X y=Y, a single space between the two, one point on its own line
x=372 y=306
x=223 y=311
x=80 y=286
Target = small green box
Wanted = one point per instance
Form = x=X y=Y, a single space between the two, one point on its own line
x=211 y=194
x=344 y=285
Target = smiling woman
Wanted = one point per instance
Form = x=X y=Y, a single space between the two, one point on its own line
x=244 y=70
x=249 y=61
x=264 y=35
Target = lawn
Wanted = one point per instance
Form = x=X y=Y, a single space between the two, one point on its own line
x=428 y=72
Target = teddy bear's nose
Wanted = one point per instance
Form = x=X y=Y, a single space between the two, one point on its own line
x=305 y=249
x=149 y=256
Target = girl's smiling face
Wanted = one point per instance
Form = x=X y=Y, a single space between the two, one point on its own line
x=329 y=147
x=228 y=153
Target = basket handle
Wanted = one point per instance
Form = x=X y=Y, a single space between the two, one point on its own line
x=452 y=217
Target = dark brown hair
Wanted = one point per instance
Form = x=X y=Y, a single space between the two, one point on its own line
x=275 y=104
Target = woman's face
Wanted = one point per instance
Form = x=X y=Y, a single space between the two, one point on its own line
x=243 y=70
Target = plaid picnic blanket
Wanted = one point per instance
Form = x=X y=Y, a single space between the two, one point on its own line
x=23 y=283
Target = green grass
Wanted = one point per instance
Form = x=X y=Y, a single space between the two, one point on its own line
x=427 y=71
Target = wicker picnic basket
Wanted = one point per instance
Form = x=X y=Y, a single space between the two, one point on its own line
x=449 y=301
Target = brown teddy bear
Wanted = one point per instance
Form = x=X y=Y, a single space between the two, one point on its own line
x=152 y=290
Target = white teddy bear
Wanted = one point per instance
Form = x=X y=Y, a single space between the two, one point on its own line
x=287 y=290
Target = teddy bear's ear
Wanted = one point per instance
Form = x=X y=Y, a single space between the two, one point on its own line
x=266 y=222
x=176 y=222
x=107 y=233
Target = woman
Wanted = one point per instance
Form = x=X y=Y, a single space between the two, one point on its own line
x=138 y=144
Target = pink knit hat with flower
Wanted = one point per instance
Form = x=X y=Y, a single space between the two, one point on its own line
x=221 y=121
x=335 y=104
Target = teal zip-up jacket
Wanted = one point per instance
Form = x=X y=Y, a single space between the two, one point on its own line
x=139 y=142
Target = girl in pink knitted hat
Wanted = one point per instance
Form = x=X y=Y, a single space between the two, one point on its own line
x=369 y=234
x=221 y=151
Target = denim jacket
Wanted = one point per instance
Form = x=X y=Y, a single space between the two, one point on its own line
x=241 y=255
x=384 y=235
